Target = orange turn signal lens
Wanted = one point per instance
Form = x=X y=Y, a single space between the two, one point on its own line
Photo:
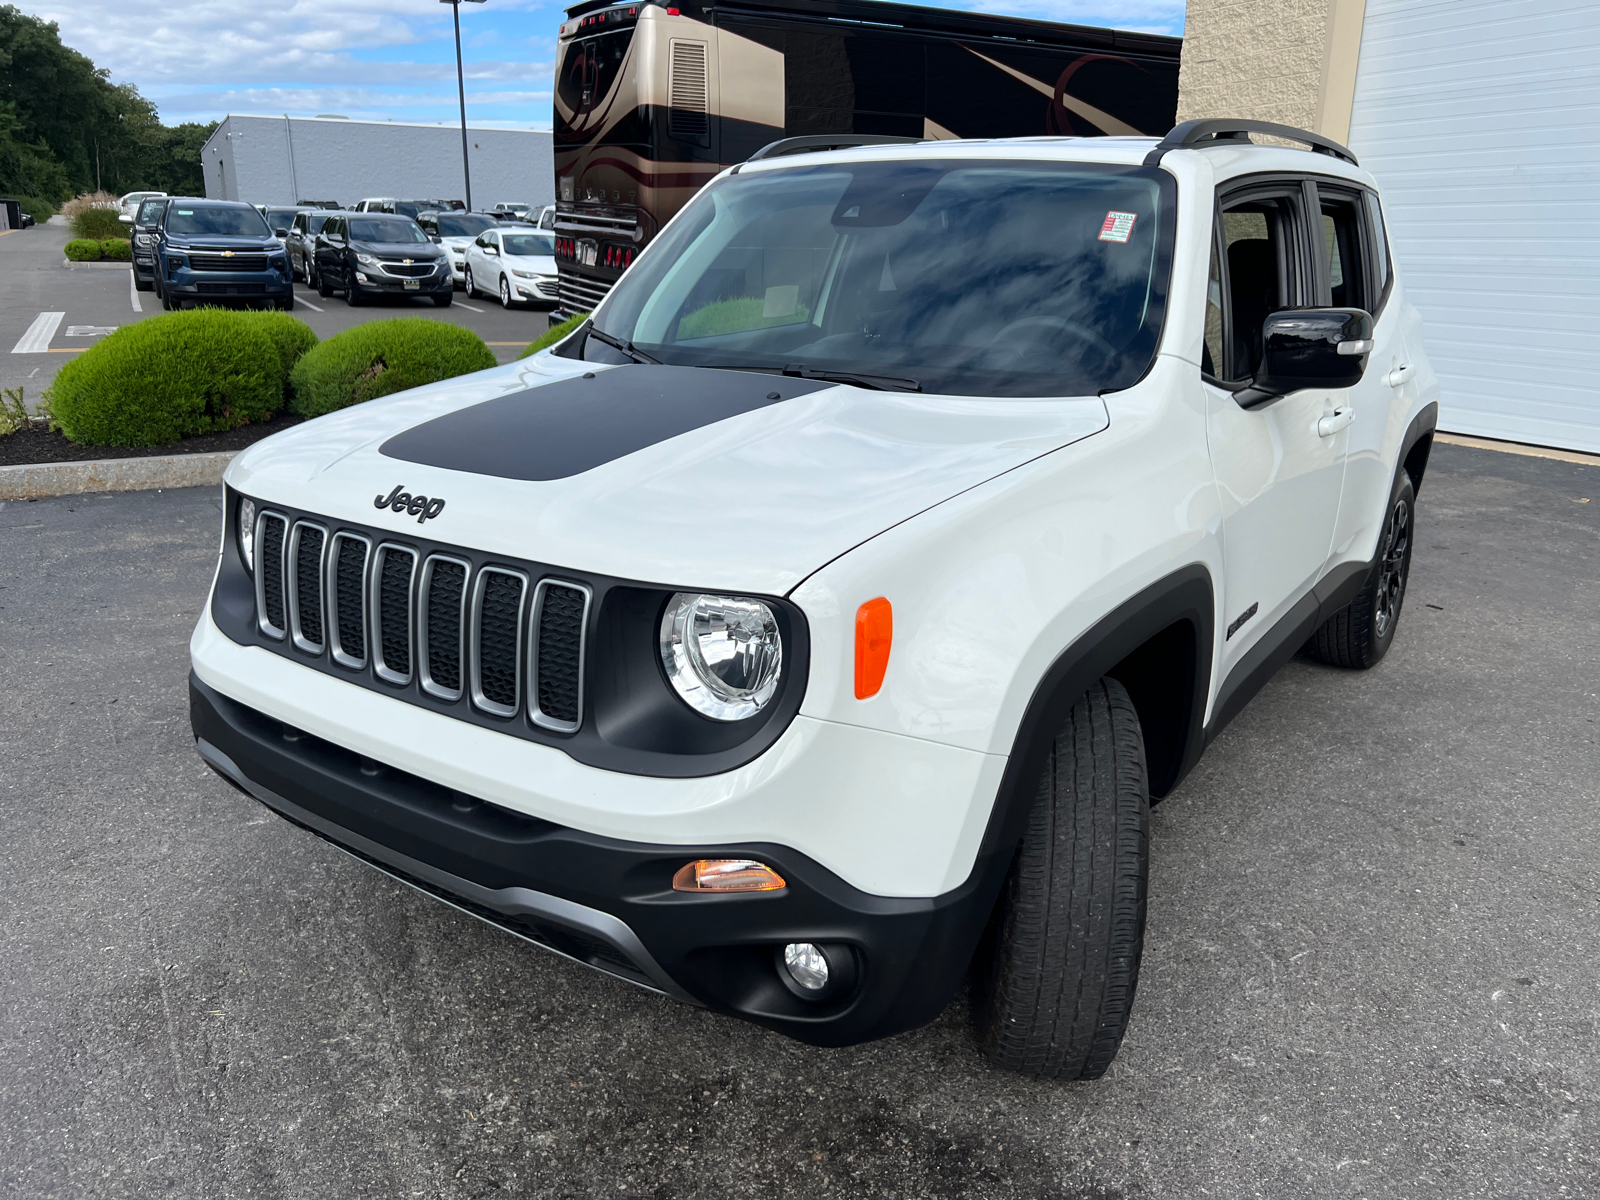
x=874 y=633
x=726 y=875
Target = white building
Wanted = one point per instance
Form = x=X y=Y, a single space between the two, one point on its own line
x=281 y=160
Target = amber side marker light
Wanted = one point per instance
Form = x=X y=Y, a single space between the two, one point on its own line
x=726 y=875
x=874 y=633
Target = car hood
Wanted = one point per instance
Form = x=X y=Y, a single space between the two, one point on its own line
x=415 y=250
x=674 y=476
x=213 y=242
x=456 y=243
x=544 y=264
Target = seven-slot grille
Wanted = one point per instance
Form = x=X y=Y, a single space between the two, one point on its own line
x=513 y=644
x=227 y=262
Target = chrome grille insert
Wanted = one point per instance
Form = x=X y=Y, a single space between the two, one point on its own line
x=442 y=625
x=307 y=541
x=347 y=596
x=556 y=654
x=495 y=644
x=389 y=588
x=272 y=535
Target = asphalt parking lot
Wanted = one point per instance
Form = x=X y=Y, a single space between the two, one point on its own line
x=95 y=300
x=1371 y=963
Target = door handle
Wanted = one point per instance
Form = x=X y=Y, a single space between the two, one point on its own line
x=1401 y=375
x=1341 y=417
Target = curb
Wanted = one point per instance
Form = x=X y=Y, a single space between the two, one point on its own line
x=102 y=266
x=1527 y=451
x=30 y=481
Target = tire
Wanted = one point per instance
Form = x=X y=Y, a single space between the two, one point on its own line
x=321 y=284
x=1060 y=964
x=505 y=294
x=167 y=301
x=444 y=299
x=143 y=285
x=1360 y=633
x=286 y=305
x=353 y=295
x=468 y=288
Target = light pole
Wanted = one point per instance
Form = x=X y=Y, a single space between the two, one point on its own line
x=461 y=91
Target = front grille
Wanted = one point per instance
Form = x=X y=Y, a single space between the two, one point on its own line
x=219 y=262
x=391 y=613
x=407 y=270
x=271 y=531
x=579 y=293
x=556 y=659
x=231 y=289
x=486 y=636
x=439 y=630
x=497 y=640
x=305 y=598
x=347 y=588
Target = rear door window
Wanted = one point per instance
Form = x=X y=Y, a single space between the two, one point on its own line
x=1345 y=256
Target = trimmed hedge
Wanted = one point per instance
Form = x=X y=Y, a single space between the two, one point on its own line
x=381 y=358
x=83 y=250
x=169 y=377
x=98 y=223
x=290 y=337
x=557 y=332
x=116 y=250
x=99 y=250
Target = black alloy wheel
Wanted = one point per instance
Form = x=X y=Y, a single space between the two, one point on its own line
x=1393 y=567
x=1360 y=634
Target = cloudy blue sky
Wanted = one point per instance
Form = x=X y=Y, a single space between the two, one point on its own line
x=387 y=59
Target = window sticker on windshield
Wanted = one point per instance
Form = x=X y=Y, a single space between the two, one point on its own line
x=1118 y=226
x=186 y=212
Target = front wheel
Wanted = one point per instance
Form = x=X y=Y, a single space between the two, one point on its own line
x=505 y=293
x=444 y=299
x=320 y=282
x=468 y=288
x=1361 y=632
x=1060 y=963
x=286 y=305
x=353 y=295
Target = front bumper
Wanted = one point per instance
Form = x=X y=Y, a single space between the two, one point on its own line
x=243 y=285
x=606 y=902
x=425 y=285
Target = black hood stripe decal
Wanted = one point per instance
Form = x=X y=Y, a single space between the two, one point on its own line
x=565 y=428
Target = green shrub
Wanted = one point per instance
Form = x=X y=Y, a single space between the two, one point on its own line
x=169 y=377
x=290 y=336
x=83 y=250
x=557 y=332
x=381 y=358
x=116 y=250
x=98 y=223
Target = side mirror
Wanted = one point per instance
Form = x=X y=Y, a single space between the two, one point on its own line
x=436 y=239
x=280 y=233
x=1308 y=348
x=125 y=218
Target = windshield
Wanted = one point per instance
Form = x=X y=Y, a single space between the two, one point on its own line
x=373 y=229
x=281 y=218
x=971 y=278
x=205 y=221
x=463 y=226
x=315 y=222
x=531 y=244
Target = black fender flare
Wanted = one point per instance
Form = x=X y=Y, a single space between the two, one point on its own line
x=1417 y=443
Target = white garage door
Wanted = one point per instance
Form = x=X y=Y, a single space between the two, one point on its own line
x=1481 y=121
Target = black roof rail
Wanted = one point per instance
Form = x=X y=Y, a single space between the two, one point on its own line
x=828 y=141
x=1213 y=131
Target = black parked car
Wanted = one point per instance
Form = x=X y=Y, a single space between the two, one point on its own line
x=365 y=255
x=302 y=243
x=146 y=229
x=214 y=251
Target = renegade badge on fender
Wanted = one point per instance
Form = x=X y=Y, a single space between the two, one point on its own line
x=816 y=623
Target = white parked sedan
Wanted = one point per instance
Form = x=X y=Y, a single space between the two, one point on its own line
x=455 y=231
x=517 y=264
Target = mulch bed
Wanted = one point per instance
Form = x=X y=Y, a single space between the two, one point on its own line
x=43 y=446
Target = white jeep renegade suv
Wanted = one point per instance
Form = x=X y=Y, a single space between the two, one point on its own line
x=816 y=623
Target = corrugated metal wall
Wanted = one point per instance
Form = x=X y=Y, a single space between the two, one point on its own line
x=249 y=158
x=1481 y=121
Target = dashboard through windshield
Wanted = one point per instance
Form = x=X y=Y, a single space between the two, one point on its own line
x=963 y=277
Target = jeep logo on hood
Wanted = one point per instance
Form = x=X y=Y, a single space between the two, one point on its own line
x=420 y=507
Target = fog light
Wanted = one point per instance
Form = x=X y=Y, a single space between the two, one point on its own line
x=806 y=965
x=726 y=875
x=361 y=277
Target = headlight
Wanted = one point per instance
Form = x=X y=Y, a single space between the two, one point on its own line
x=247 y=533
x=366 y=260
x=524 y=274
x=723 y=654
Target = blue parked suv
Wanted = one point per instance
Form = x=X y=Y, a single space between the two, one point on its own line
x=219 y=252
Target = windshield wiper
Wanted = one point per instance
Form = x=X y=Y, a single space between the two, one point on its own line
x=622 y=344
x=881 y=383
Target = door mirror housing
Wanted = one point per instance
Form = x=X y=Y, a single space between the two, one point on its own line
x=1308 y=348
x=280 y=233
x=125 y=218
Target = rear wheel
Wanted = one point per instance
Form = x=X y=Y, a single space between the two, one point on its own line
x=1060 y=965
x=1361 y=632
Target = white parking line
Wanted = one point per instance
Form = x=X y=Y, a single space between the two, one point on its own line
x=37 y=339
x=299 y=299
x=133 y=293
x=469 y=307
